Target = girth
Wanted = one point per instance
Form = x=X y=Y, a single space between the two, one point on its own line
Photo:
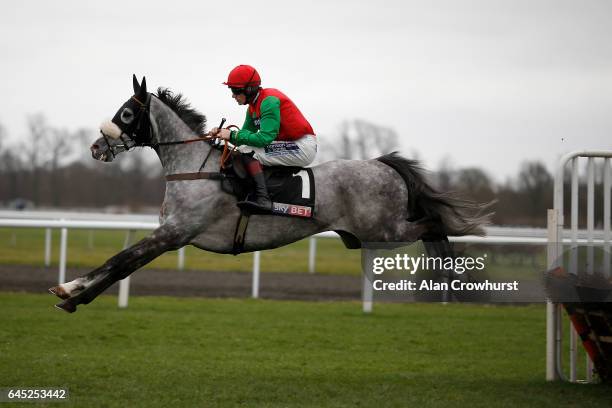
x=196 y=176
x=243 y=220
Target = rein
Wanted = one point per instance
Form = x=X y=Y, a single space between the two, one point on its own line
x=225 y=155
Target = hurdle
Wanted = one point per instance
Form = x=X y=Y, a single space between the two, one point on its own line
x=556 y=235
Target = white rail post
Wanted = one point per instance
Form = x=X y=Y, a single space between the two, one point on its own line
x=181 y=259
x=551 y=308
x=606 y=221
x=573 y=339
x=129 y=237
x=63 y=255
x=367 y=294
x=590 y=213
x=590 y=233
x=255 y=287
x=574 y=219
x=312 y=254
x=555 y=253
x=47 y=247
x=124 y=284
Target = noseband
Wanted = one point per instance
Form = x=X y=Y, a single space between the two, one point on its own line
x=139 y=132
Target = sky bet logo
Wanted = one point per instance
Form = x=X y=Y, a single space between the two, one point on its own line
x=289 y=209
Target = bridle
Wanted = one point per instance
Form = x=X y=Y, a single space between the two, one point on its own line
x=134 y=137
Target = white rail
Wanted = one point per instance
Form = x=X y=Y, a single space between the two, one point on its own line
x=94 y=221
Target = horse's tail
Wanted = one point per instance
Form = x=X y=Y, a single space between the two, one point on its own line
x=451 y=216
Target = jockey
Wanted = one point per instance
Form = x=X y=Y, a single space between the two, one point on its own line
x=274 y=133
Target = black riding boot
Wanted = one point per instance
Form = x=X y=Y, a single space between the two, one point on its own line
x=262 y=200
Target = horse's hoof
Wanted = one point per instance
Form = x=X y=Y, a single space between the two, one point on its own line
x=66 y=306
x=59 y=292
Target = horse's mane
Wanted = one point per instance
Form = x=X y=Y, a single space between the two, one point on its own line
x=192 y=118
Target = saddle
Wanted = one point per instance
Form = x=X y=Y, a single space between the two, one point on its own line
x=291 y=189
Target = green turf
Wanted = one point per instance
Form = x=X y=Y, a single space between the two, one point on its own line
x=166 y=352
x=26 y=247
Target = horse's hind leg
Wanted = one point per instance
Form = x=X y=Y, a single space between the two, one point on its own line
x=86 y=288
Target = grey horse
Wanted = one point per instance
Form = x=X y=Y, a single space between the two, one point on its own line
x=381 y=200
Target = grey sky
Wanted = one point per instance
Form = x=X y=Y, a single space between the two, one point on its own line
x=485 y=83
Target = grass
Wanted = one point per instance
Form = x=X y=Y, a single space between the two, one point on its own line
x=26 y=247
x=90 y=249
x=164 y=352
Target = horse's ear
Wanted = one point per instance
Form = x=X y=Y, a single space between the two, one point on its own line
x=143 y=87
x=135 y=84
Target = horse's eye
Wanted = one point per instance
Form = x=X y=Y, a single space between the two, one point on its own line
x=127 y=116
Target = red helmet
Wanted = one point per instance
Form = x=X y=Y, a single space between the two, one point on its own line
x=243 y=76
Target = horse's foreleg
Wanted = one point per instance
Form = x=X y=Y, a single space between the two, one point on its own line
x=86 y=288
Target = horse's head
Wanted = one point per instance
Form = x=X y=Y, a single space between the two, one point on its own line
x=130 y=127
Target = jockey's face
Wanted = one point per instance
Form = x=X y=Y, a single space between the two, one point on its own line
x=240 y=98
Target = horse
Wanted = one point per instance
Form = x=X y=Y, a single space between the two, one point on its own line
x=386 y=199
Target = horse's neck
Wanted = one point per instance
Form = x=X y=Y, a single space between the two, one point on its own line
x=180 y=158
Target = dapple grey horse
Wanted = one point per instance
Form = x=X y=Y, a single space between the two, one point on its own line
x=381 y=200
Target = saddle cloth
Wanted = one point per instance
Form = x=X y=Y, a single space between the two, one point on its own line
x=291 y=189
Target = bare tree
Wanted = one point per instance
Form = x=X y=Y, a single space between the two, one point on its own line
x=11 y=169
x=358 y=139
x=374 y=140
x=475 y=183
x=536 y=184
x=445 y=174
x=59 y=146
x=34 y=152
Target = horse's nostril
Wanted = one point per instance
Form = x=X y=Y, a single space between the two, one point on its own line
x=95 y=147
